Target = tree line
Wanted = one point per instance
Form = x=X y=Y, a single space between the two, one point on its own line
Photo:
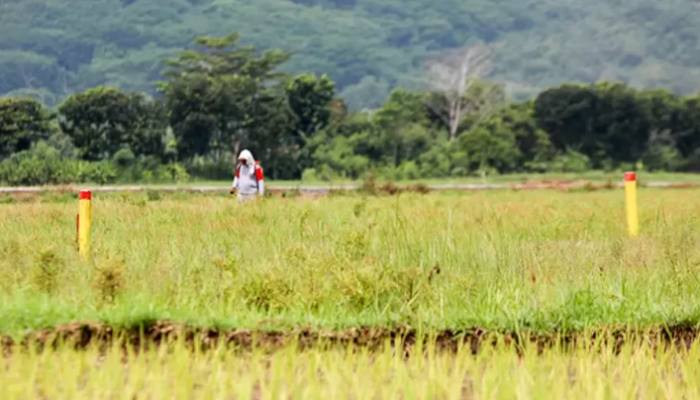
x=222 y=97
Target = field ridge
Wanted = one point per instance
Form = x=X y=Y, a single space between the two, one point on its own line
x=82 y=335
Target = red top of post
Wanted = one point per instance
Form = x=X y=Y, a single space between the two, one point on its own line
x=85 y=195
x=630 y=177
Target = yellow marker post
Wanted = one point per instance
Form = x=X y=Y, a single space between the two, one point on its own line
x=84 y=223
x=631 y=195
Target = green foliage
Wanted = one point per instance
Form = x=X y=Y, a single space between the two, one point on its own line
x=223 y=98
x=102 y=121
x=47 y=270
x=109 y=280
x=310 y=100
x=177 y=173
x=153 y=195
x=571 y=161
x=44 y=165
x=340 y=157
x=662 y=153
x=612 y=124
x=223 y=95
x=22 y=122
x=40 y=166
x=124 y=158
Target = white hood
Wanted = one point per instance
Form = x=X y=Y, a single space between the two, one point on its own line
x=248 y=156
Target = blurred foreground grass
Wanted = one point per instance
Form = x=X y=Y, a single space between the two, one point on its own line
x=590 y=373
x=497 y=260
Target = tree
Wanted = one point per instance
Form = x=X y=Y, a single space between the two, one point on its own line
x=340 y=156
x=608 y=123
x=534 y=144
x=102 y=121
x=403 y=109
x=22 y=123
x=687 y=134
x=189 y=101
x=491 y=145
x=452 y=77
x=269 y=136
x=147 y=134
x=567 y=113
x=219 y=95
x=310 y=100
x=347 y=147
x=662 y=153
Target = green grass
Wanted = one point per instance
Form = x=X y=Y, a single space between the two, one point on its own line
x=586 y=373
x=540 y=261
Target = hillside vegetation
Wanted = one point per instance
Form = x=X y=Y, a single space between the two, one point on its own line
x=52 y=48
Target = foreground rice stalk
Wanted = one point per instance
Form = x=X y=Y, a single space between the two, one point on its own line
x=635 y=372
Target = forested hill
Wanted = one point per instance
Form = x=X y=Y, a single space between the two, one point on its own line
x=51 y=48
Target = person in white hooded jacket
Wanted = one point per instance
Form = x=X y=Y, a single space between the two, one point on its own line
x=249 y=180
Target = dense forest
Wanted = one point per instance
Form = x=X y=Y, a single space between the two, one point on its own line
x=50 y=49
x=219 y=96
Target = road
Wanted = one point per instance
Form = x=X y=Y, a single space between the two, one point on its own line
x=324 y=189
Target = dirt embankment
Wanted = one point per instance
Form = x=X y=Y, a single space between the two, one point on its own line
x=84 y=335
x=27 y=194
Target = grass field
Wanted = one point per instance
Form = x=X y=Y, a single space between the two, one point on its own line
x=540 y=261
x=508 y=260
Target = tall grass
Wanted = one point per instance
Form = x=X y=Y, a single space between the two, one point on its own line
x=590 y=373
x=496 y=260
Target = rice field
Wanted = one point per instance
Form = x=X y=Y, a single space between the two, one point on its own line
x=508 y=262
x=636 y=371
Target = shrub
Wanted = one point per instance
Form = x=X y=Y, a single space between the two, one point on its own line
x=211 y=170
x=124 y=158
x=153 y=195
x=44 y=165
x=309 y=175
x=47 y=271
x=177 y=173
x=369 y=186
x=409 y=170
x=109 y=280
x=31 y=168
x=571 y=161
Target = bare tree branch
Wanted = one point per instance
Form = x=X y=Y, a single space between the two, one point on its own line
x=452 y=77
